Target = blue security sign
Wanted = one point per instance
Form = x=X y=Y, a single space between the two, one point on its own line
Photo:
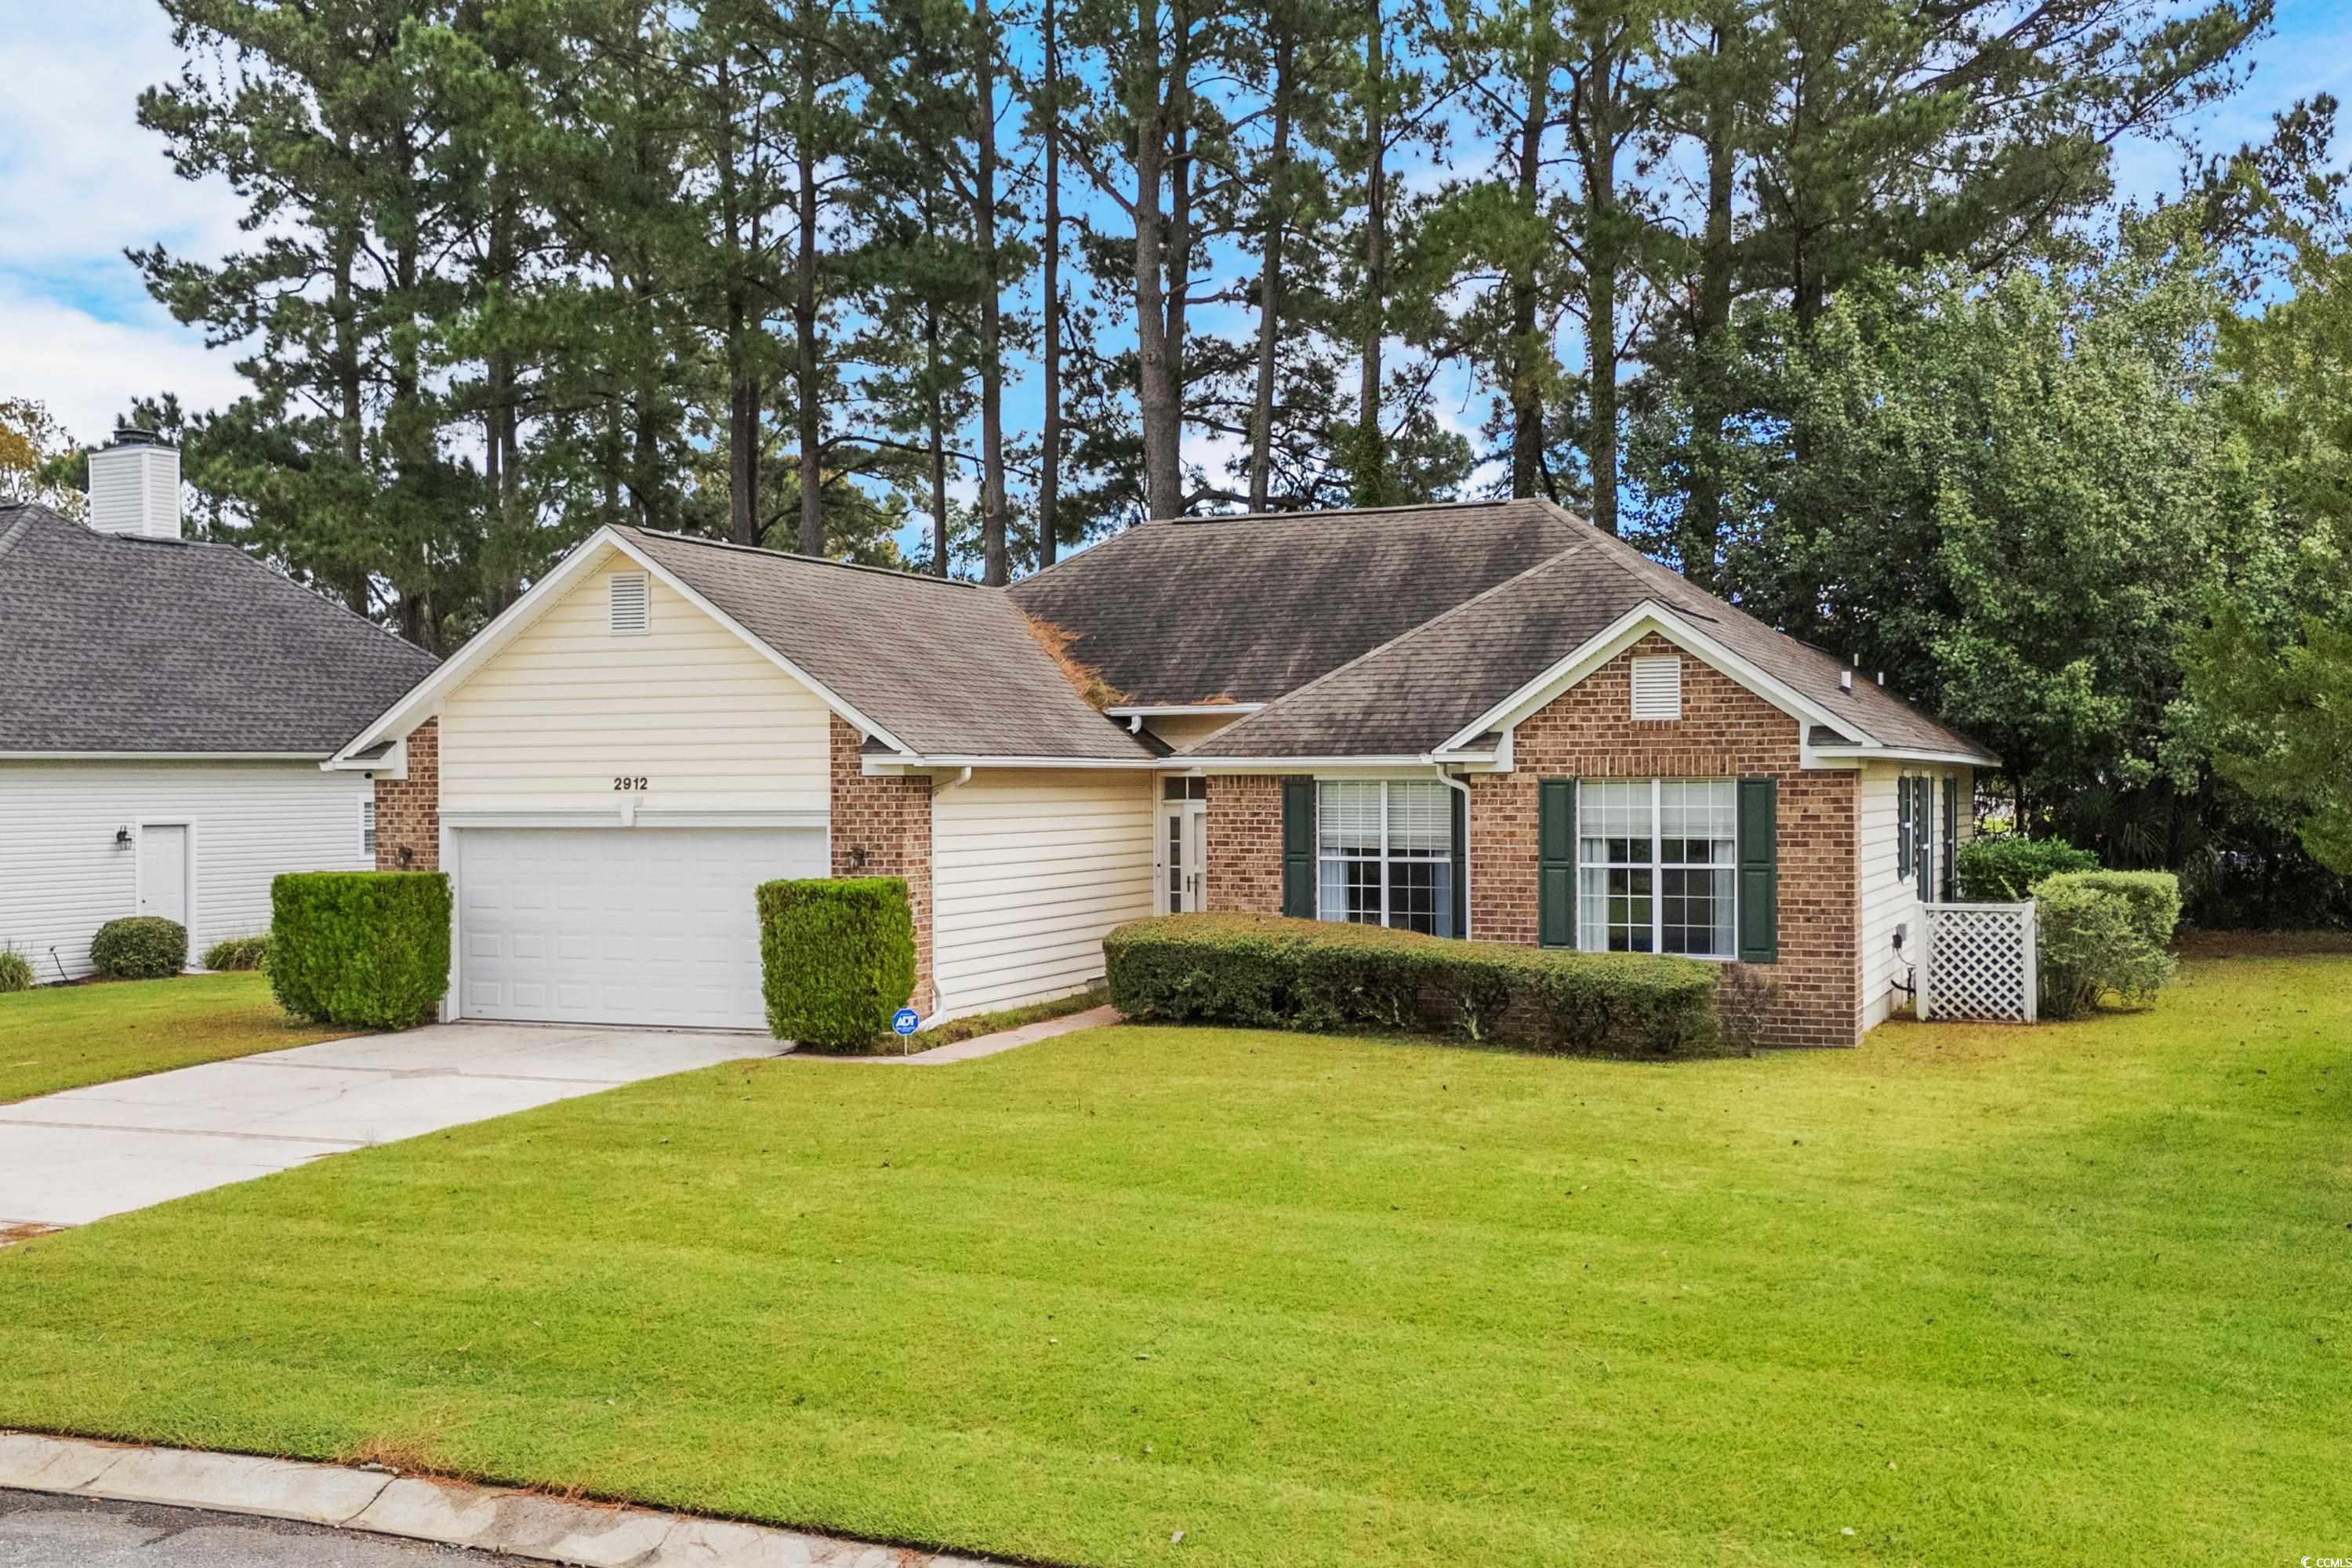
x=905 y=1021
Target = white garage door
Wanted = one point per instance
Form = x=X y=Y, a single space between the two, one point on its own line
x=643 y=925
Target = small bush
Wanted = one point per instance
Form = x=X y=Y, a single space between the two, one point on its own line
x=367 y=947
x=836 y=959
x=140 y=947
x=2001 y=867
x=1260 y=972
x=239 y=952
x=2104 y=931
x=16 y=971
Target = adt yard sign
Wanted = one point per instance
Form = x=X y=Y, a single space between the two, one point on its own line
x=905 y=1021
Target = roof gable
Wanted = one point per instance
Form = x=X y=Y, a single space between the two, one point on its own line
x=123 y=645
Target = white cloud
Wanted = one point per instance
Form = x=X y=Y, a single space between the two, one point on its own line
x=87 y=369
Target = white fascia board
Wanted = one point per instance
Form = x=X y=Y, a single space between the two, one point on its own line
x=163 y=756
x=1622 y=633
x=424 y=699
x=1905 y=754
x=1188 y=710
x=911 y=764
x=1295 y=765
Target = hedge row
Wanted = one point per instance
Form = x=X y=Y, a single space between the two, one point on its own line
x=2001 y=867
x=1261 y=972
x=369 y=948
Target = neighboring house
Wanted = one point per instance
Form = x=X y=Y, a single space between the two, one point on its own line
x=1484 y=720
x=166 y=706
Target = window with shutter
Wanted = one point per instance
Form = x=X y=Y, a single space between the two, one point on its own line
x=1555 y=862
x=1923 y=836
x=1299 y=849
x=1951 y=884
x=1903 y=828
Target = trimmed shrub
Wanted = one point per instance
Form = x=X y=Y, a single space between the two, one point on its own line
x=140 y=947
x=837 y=960
x=239 y=952
x=2001 y=867
x=1263 y=971
x=367 y=947
x=16 y=971
x=2104 y=931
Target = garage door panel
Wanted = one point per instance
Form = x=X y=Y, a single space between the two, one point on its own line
x=615 y=925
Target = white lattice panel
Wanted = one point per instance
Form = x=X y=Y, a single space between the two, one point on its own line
x=1980 y=963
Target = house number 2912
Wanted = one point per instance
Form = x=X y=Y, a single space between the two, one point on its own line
x=623 y=782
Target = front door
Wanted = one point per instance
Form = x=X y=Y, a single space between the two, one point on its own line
x=1183 y=857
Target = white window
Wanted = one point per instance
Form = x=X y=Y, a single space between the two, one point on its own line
x=1658 y=866
x=630 y=604
x=1384 y=853
x=367 y=825
x=1657 y=688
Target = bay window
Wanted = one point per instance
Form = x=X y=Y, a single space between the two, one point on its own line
x=1384 y=853
x=1657 y=865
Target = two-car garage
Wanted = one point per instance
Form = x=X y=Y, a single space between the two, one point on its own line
x=644 y=925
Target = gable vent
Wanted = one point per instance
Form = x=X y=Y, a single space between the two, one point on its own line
x=631 y=611
x=1657 y=689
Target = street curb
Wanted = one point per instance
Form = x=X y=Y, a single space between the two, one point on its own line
x=453 y=1513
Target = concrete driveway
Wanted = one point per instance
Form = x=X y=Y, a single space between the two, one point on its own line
x=70 y=1158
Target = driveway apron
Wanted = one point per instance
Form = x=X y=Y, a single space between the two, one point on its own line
x=70 y=1158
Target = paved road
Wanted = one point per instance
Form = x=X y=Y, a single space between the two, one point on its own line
x=40 y=1531
x=76 y=1156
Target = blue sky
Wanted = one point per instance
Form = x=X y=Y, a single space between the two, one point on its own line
x=79 y=181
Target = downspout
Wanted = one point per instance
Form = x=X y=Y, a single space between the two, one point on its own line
x=963 y=776
x=1462 y=786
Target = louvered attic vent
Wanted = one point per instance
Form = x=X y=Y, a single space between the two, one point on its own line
x=1657 y=689
x=631 y=611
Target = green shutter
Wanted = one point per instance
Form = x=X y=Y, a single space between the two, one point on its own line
x=1759 y=871
x=1923 y=836
x=1950 y=880
x=1555 y=862
x=1460 y=863
x=1903 y=828
x=1299 y=849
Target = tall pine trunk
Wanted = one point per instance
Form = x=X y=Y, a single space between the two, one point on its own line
x=1526 y=389
x=1049 y=477
x=1269 y=287
x=996 y=560
x=1601 y=249
x=1702 y=520
x=1369 y=481
x=805 y=321
x=936 y=410
x=1163 y=492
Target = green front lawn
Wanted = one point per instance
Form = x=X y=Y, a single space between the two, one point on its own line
x=64 y=1036
x=2076 y=1294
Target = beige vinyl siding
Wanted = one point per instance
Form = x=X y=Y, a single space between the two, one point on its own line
x=1181 y=730
x=1028 y=870
x=550 y=720
x=1888 y=900
x=62 y=875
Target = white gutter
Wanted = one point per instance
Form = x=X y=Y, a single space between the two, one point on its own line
x=939 y=789
x=1905 y=754
x=164 y=756
x=1187 y=710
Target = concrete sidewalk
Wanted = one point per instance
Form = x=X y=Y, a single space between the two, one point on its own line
x=85 y=1153
x=485 y=1518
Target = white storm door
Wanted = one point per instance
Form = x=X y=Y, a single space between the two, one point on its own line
x=1183 y=856
x=163 y=872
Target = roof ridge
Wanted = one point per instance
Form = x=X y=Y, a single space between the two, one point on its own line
x=809 y=560
x=1402 y=637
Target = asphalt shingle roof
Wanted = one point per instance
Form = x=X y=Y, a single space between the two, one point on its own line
x=1246 y=609
x=1411 y=693
x=121 y=644
x=951 y=669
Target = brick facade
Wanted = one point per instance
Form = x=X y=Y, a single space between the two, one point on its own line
x=1245 y=833
x=882 y=827
x=408 y=811
x=1726 y=731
